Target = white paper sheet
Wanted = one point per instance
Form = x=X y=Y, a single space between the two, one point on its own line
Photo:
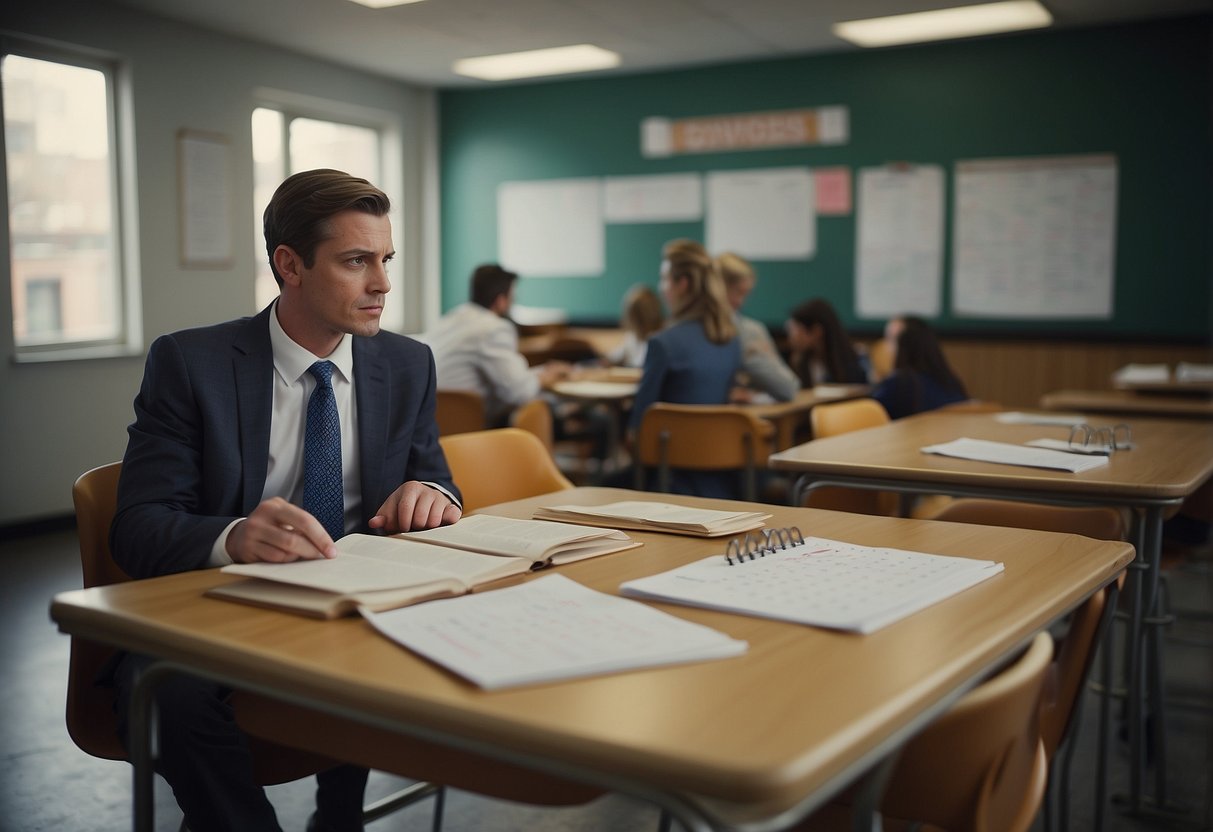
x=1034 y=238
x=551 y=228
x=899 y=241
x=763 y=214
x=1005 y=453
x=548 y=629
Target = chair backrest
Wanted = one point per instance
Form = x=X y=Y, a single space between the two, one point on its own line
x=843 y=417
x=981 y=765
x=1076 y=650
x=535 y=417
x=496 y=466
x=880 y=359
x=702 y=438
x=91 y=719
x=90 y=710
x=458 y=411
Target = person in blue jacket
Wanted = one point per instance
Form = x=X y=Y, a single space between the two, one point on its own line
x=695 y=359
x=921 y=378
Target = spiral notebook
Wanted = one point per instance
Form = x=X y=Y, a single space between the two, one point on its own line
x=825 y=583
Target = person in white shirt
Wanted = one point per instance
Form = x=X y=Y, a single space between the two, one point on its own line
x=475 y=348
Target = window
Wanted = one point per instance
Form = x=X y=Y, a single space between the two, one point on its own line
x=284 y=144
x=65 y=237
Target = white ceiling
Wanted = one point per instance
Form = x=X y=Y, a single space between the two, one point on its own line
x=419 y=42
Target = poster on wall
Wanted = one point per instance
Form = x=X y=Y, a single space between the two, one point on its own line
x=762 y=214
x=1035 y=237
x=674 y=197
x=551 y=228
x=205 y=210
x=899 y=241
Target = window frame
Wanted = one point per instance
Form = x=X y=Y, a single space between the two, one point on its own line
x=388 y=127
x=124 y=254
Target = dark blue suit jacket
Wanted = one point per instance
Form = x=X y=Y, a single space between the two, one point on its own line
x=198 y=450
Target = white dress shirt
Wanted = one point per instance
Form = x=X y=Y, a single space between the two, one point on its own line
x=476 y=349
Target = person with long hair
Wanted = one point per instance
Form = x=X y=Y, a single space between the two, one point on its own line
x=921 y=378
x=763 y=370
x=821 y=350
x=695 y=358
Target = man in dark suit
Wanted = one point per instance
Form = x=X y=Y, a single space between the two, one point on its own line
x=217 y=466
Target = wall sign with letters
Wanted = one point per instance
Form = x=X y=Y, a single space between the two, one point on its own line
x=660 y=136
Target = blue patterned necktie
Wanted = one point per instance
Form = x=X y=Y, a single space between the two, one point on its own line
x=323 y=495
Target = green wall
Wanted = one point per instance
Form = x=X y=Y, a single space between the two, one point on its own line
x=1141 y=92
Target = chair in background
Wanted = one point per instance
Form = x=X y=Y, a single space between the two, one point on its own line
x=91 y=718
x=880 y=359
x=496 y=466
x=1076 y=649
x=980 y=766
x=843 y=417
x=535 y=417
x=458 y=411
x=702 y=438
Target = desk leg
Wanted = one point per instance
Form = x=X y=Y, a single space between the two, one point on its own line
x=142 y=715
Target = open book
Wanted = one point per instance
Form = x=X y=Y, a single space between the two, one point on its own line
x=825 y=583
x=383 y=573
x=657 y=517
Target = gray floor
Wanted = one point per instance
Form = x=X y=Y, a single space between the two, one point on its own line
x=48 y=784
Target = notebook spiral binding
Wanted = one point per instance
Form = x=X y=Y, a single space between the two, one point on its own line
x=759 y=544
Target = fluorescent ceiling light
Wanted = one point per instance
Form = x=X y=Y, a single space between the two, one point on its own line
x=383 y=4
x=556 y=61
x=959 y=22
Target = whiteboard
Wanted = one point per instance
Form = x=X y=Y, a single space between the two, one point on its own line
x=1035 y=238
x=766 y=214
x=661 y=198
x=899 y=241
x=551 y=228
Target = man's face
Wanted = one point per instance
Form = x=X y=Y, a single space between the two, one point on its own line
x=343 y=290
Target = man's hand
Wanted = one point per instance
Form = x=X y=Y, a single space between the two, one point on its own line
x=279 y=532
x=415 y=506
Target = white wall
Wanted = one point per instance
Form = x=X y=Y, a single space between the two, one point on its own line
x=59 y=419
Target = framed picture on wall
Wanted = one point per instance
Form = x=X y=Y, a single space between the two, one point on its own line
x=205 y=199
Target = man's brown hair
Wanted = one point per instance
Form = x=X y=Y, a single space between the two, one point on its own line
x=299 y=212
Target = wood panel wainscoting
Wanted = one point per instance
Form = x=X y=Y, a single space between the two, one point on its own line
x=1017 y=373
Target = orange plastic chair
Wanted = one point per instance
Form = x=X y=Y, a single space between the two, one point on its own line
x=496 y=466
x=91 y=720
x=1076 y=649
x=843 y=417
x=702 y=438
x=535 y=417
x=980 y=767
x=458 y=411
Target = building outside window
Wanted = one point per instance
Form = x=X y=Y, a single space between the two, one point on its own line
x=69 y=290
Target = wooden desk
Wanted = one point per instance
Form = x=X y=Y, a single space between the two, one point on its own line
x=1130 y=402
x=767 y=736
x=790 y=415
x=1171 y=460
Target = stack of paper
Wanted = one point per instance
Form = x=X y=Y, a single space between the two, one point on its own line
x=1007 y=454
x=1142 y=374
x=657 y=517
x=547 y=629
x=1187 y=372
x=1016 y=418
x=820 y=582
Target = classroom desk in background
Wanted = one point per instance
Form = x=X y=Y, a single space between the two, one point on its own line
x=792 y=415
x=1172 y=458
x=1131 y=402
x=730 y=744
